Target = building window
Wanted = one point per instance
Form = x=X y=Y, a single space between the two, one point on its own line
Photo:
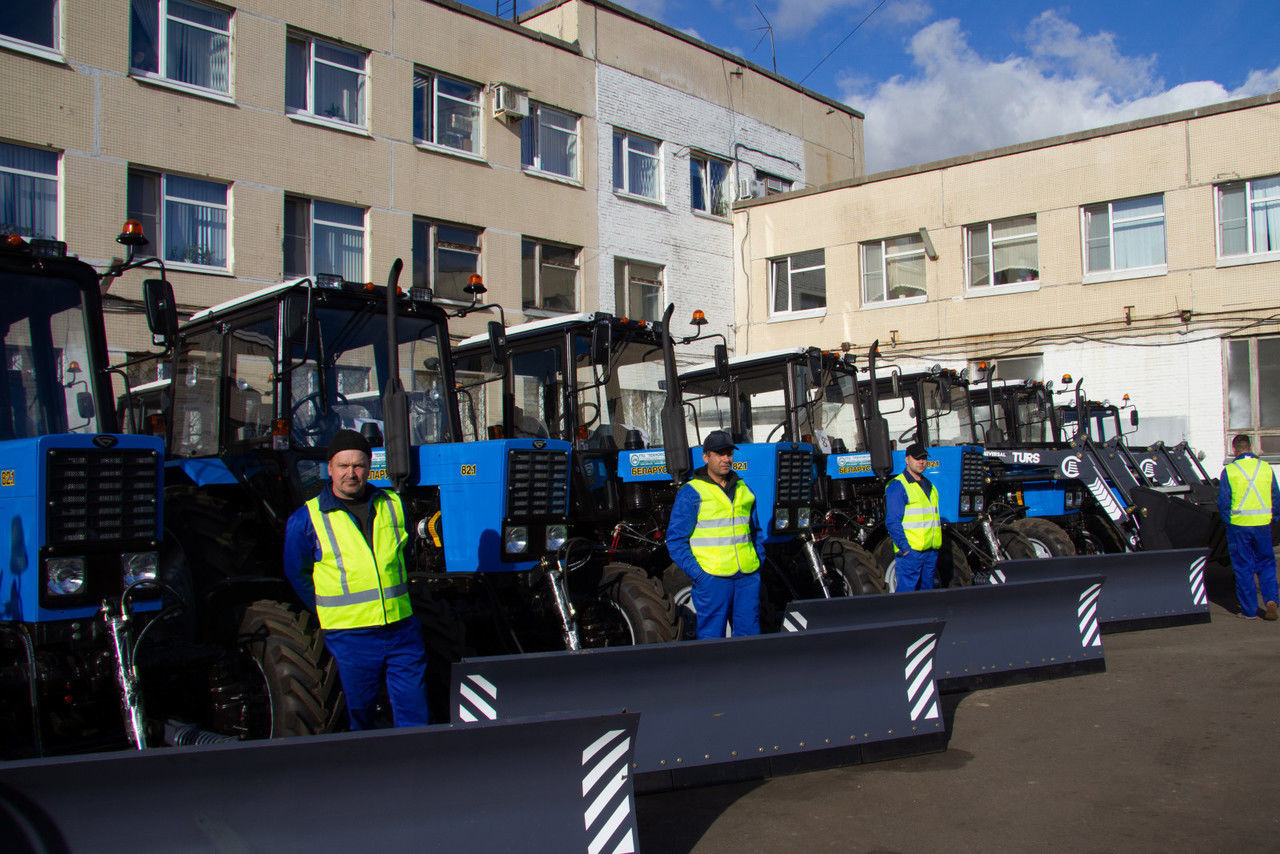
x=444 y=258
x=772 y=183
x=28 y=191
x=1003 y=252
x=799 y=282
x=323 y=238
x=446 y=111
x=549 y=141
x=324 y=80
x=708 y=184
x=893 y=269
x=181 y=41
x=639 y=289
x=1124 y=235
x=1253 y=392
x=637 y=165
x=548 y=275
x=1249 y=217
x=33 y=22
x=185 y=218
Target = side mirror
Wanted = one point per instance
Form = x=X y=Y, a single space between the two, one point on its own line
x=162 y=311
x=895 y=384
x=601 y=342
x=833 y=394
x=879 y=446
x=84 y=404
x=720 y=357
x=1133 y=418
x=497 y=342
x=815 y=366
x=295 y=315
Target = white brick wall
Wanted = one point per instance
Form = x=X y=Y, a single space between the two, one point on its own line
x=695 y=251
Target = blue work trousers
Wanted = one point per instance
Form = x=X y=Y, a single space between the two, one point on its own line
x=717 y=598
x=366 y=657
x=1254 y=563
x=916 y=570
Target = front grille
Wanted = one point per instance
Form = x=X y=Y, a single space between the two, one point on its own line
x=795 y=477
x=100 y=496
x=972 y=472
x=537 y=483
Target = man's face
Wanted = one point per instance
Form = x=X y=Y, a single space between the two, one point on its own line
x=349 y=471
x=719 y=463
x=915 y=465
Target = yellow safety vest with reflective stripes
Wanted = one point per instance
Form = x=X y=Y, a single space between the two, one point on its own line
x=1250 y=480
x=358 y=587
x=921 y=522
x=721 y=539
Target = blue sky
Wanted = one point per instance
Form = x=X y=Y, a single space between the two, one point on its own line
x=936 y=79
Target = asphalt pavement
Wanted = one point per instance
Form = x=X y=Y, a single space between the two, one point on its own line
x=1176 y=747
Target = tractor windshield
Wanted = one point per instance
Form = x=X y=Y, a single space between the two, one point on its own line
x=946 y=412
x=761 y=400
x=1033 y=411
x=346 y=368
x=46 y=388
x=619 y=404
x=831 y=410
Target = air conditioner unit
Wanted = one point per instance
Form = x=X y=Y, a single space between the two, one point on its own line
x=510 y=102
x=749 y=188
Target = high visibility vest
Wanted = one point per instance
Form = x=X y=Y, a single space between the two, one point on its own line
x=721 y=538
x=1250 y=480
x=920 y=520
x=357 y=587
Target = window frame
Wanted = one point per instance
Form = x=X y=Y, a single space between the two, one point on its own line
x=430 y=114
x=433 y=256
x=991 y=287
x=44 y=51
x=310 y=245
x=532 y=165
x=622 y=145
x=161 y=199
x=539 y=307
x=700 y=162
x=1112 y=273
x=308 y=112
x=622 y=289
x=55 y=178
x=1251 y=254
x=885 y=257
x=791 y=312
x=1255 y=429
x=160 y=74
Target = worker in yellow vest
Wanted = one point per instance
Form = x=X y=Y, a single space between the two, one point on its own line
x=344 y=553
x=1249 y=501
x=714 y=536
x=913 y=522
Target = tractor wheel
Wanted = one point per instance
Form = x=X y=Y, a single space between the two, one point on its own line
x=679 y=589
x=1015 y=543
x=1101 y=536
x=850 y=569
x=1046 y=538
x=302 y=695
x=648 y=614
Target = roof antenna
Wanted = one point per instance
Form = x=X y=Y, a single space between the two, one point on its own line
x=768 y=31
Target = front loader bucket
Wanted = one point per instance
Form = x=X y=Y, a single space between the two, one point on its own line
x=1141 y=589
x=713 y=710
x=546 y=784
x=1181 y=521
x=995 y=634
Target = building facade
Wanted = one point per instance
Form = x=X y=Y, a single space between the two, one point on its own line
x=270 y=140
x=1143 y=259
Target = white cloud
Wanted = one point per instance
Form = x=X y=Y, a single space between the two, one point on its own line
x=958 y=102
x=649 y=8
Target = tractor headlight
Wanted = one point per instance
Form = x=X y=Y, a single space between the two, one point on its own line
x=782 y=518
x=515 y=540
x=66 y=575
x=964 y=504
x=802 y=517
x=556 y=536
x=139 y=566
x=977 y=504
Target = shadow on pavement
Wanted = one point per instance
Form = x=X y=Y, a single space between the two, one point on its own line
x=673 y=822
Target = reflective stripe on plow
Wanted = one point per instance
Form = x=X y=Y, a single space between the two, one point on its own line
x=1196 y=577
x=919 y=669
x=473 y=702
x=794 y=621
x=608 y=816
x=1087 y=614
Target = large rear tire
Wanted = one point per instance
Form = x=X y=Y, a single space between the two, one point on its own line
x=1016 y=546
x=303 y=695
x=851 y=570
x=648 y=613
x=1046 y=538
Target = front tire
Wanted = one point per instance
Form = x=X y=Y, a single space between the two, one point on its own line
x=647 y=611
x=1046 y=538
x=851 y=570
x=303 y=695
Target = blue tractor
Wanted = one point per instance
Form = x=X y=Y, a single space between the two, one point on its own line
x=83 y=504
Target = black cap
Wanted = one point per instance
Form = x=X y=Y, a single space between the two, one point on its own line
x=349 y=440
x=915 y=449
x=719 y=441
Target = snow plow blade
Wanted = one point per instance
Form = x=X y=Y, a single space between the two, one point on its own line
x=545 y=784
x=1141 y=589
x=995 y=634
x=716 y=710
